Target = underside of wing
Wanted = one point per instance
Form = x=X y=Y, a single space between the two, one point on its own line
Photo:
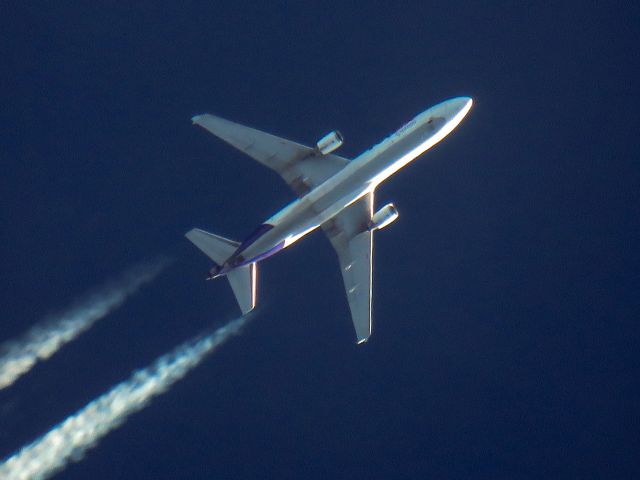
x=302 y=167
x=353 y=242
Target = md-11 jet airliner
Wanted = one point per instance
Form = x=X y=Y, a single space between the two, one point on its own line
x=333 y=193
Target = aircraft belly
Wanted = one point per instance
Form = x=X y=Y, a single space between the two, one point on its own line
x=397 y=154
x=363 y=173
x=291 y=224
x=358 y=178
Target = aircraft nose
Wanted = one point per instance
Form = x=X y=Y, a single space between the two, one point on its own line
x=458 y=105
x=454 y=110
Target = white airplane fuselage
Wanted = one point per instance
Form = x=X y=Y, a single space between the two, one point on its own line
x=361 y=176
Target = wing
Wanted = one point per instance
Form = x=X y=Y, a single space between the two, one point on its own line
x=303 y=168
x=353 y=243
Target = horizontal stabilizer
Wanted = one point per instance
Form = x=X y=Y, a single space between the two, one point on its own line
x=242 y=279
x=215 y=247
x=243 y=283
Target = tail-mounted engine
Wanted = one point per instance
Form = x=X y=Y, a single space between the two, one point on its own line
x=383 y=217
x=330 y=142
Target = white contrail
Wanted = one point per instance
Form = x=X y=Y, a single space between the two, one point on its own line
x=69 y=440
x=45 y=338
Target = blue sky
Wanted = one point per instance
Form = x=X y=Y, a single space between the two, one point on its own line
x=505 y=336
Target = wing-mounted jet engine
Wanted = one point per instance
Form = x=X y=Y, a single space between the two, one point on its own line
x=383 y=217
x=330 y=142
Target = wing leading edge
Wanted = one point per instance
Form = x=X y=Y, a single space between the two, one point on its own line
x=353 y=242
x=302 y=167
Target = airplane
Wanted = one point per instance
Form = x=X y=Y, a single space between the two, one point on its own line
x=333 y=193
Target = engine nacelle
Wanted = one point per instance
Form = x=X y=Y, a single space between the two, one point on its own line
x=330 y=142
x=383 y=217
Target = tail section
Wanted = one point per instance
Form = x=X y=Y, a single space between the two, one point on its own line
x=243 y=280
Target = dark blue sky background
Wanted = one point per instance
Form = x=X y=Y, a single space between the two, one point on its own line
x=506 y=297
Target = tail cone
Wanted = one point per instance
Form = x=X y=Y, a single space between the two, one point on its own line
x=214 y=272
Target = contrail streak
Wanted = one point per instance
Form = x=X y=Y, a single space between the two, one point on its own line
x=69 y=440
x=45 y=338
